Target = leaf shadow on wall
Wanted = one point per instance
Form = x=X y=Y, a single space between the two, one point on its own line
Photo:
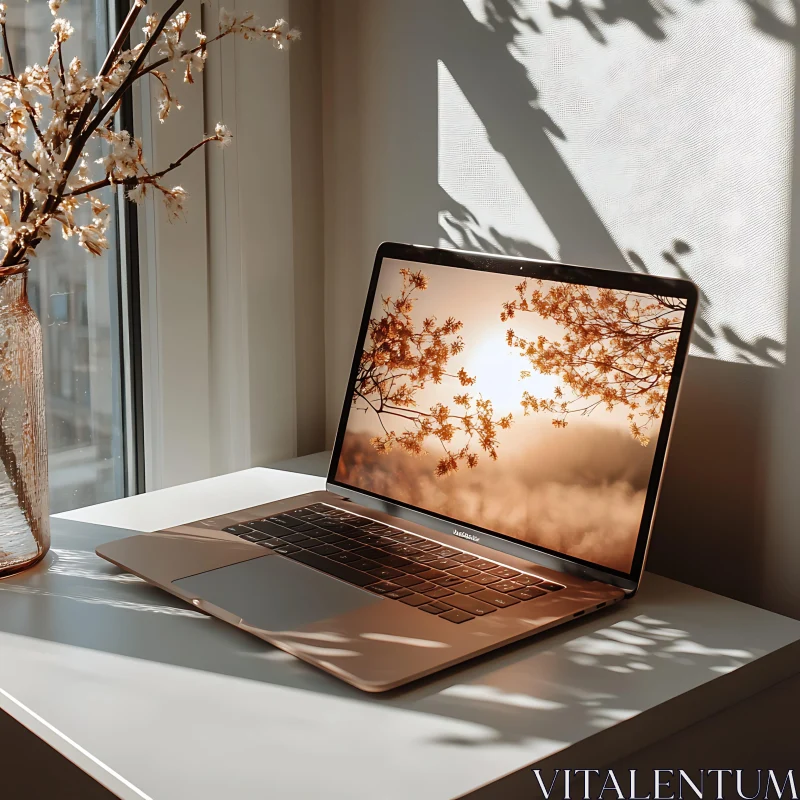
x=713 y=489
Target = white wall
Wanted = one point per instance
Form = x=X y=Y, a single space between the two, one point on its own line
x=618 y=135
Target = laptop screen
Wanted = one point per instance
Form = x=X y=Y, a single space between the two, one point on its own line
x=524 y=407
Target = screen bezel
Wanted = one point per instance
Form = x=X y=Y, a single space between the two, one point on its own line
x=544 y=270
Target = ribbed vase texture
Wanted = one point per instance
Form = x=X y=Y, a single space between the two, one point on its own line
x=24 y=509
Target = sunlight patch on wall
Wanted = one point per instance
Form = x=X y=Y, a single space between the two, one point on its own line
x=675 y=124
x=486 y=207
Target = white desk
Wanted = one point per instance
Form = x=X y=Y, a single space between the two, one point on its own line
x=153 y=699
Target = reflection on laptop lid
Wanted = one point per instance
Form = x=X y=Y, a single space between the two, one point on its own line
x=530 y=404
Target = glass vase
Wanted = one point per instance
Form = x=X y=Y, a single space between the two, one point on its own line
x=24 y=506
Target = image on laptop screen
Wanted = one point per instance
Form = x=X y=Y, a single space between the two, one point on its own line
x=529 y=408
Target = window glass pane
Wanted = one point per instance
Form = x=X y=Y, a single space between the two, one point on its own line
x=75 y=296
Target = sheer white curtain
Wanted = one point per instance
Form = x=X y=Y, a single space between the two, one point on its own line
x=233 y=320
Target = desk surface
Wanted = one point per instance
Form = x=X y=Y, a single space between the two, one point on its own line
x=156 y=700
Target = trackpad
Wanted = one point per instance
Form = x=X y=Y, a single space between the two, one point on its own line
x=275 y=593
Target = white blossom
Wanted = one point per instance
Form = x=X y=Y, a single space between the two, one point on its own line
x=195 y=60
x=62 y=28
x=92 y=237
x=174 y=200
x=138 y=193
x=224 y=136
x=52 y=126
x=124 y=157
x=227 y=21
x=150 y=24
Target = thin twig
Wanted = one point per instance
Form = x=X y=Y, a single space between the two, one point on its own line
x=8 y=52
x=150 y=178
x=20 y=158
x=162 y=61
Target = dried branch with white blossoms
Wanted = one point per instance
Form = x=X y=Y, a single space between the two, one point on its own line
x=53 y=115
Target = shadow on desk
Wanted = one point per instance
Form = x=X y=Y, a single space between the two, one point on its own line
x=548 y=695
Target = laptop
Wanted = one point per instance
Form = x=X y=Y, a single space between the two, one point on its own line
x=495 y=472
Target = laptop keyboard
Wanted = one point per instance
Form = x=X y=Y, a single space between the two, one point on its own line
x=444 y=581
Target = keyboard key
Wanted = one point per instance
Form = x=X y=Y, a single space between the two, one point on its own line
x=527 y=580
x=527 y=593
x=408 y=580
x=496 y=598
x=319 y=507
x=312 y=531
x=441 y=563
x=425 y=546
x=485 y=578
x=254 y=536
x=548 y=586
x=415 y=600
x=464 y=558
x=333 y=525
x=467 y=587
x=238 y=530
x=270 y=528
x=345 y=558
x=371 y=539
x=356 y=534
x=405 y=538
x=504 y=572
x=342 y=544
x=294 y=538
x=425 y=586
x=505 y=586
x=447 y=580
x=377 y=527
x=286 y=549
x=472 y=606
x=394 y=561
x=359 y=522
x=463 y=572
x=369 y=552
x=382 y=587
x=444 y=552
x=437 y=592
x=284 y=521
x=398 y=594
x=364 y=564
x=430 y=574
x=456 y=616
x=341 y=530
x=332 y=538
x=272 y=544
x=325 y=550
x=423 y=558
x=435 y=608
x=415 y=569
x=402 y=550
x=483 y=564
x=386 y=572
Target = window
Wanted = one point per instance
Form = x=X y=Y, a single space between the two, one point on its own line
x=77 y=300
